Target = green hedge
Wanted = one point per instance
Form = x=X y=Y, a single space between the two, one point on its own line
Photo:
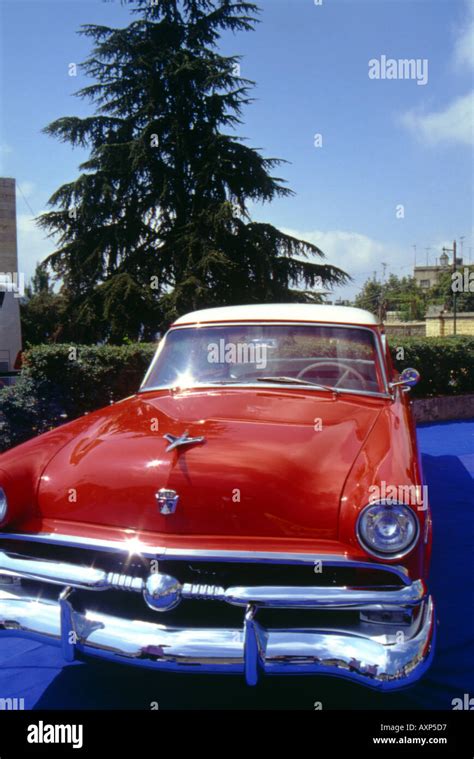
x=446 y=364
x=60 y=382
x=57 y=384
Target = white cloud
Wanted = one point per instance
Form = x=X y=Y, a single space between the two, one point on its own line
x=357 y=254
x=33 y=245
x=25 y=189
x=454 y=124
x=464 y=45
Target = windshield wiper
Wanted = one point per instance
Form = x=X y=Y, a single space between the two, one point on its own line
x=297 y=381
x=224 y=382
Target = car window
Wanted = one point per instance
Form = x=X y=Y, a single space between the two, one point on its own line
x=338 y=356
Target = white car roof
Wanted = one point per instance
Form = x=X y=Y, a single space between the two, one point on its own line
x=300 y=312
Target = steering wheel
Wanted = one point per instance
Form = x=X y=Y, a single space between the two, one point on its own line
x=325 y=364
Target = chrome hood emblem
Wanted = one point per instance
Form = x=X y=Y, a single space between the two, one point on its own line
x=176 y=442
x=167 y=500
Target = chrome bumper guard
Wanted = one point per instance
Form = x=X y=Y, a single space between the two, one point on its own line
x=373 y=660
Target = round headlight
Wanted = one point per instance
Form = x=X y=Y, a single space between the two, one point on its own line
x=389 y=530
x=3 y=504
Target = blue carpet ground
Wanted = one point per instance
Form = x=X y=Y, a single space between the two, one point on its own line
x=37 y=673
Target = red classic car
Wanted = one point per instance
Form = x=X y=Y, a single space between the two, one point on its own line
x=257 y=507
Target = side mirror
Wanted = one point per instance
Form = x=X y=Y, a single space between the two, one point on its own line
x=408 y=378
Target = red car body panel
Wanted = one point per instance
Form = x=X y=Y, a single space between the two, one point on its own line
x=282 y=472
x=263 y=471
x=263 y=478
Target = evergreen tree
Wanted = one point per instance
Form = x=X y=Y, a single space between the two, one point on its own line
x=370 y=297
x=42 y=310
x=157 y=223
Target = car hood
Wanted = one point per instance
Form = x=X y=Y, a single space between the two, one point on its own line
x=273 y=462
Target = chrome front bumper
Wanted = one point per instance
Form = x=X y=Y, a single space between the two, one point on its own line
x=375 y=660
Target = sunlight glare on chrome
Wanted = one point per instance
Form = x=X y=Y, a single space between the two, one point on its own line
x=134 y=546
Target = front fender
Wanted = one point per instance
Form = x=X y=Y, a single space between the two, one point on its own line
x=388 y=458
x=22 y=467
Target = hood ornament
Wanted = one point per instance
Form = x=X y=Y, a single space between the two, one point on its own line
x=167 y=500
x=175 y=441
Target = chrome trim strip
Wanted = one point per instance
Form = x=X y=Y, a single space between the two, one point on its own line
x=251 y=652
x=65 y=574
x=323 y=597
x=54 y=572
x=163 y=592
x=68 y=633
x=129 y=546
x=270 y=557
x=250 y=649
x=265 y=385
x=339 y=325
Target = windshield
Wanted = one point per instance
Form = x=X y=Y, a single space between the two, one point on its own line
x=338 y=357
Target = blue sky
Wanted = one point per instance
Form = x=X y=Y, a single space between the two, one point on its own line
x=386 y=143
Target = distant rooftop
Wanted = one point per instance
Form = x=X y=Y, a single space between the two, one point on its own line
x=443 y=264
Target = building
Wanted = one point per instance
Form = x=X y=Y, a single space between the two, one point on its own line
x=428 y=276
x=10 y=279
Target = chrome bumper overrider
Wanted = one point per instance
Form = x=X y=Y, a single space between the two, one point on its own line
x=376 y=659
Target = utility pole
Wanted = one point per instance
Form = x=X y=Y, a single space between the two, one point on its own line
x=382 y=302
x=453 y=251
x=381 y=307
x=454 y=293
